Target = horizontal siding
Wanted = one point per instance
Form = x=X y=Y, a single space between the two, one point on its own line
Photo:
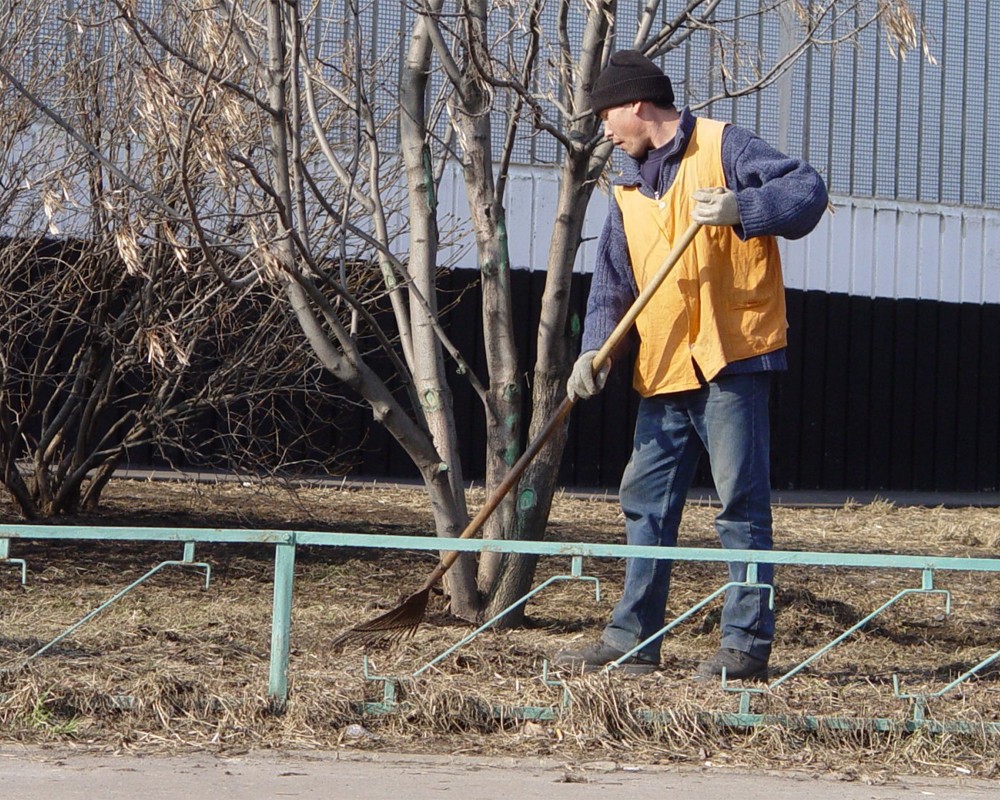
x=864 y=247
x=869 y=248
x=879 y=248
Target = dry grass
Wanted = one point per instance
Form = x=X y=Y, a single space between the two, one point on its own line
x=174 y=666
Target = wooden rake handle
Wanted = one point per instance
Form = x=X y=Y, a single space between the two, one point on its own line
x=533 y=448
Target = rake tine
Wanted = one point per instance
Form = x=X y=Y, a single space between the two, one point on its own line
x=389 y=628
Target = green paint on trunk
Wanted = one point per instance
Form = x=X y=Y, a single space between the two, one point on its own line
x=429 y=179
x=526 y=500
x=502 y=239
x=432 y=400
x=510 y=454
x=575 y=326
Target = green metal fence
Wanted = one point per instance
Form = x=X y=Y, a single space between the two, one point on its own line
x=286 y=542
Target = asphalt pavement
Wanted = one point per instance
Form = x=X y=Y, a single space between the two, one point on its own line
x=64 y=774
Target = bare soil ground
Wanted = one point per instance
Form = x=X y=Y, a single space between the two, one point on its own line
x=174 y=666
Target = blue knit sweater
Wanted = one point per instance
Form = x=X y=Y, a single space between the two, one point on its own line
x=777 y=196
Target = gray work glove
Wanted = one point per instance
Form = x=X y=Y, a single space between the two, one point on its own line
x=715 y=206
x=583 y=383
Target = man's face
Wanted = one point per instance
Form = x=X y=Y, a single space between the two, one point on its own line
x=626 y=129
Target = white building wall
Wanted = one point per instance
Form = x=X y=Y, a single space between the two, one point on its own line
x=891 y=249
x=865 y=247
x=872 y=124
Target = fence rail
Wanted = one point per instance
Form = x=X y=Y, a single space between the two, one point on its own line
x=286 y=542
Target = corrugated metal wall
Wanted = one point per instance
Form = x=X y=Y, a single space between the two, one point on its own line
x=867 y=247
x=894 y=302
x=883 y=248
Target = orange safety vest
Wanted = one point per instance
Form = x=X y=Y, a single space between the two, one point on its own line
x=725 y=298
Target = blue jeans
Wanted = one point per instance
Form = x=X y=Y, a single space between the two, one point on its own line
x=729 y=419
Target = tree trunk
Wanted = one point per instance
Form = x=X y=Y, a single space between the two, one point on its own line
x=428 y=361
x=509 y=577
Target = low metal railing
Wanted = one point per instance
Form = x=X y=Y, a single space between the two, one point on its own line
x=286 y=542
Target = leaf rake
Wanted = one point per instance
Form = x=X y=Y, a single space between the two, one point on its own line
x=402 y=621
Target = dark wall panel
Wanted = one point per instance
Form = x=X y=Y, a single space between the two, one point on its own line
x=988 y=413
x=882 y=377
x=836 y=389
x=967 y=417
x=857 y=328
x=944 y=425
x=925 y=398
x=880 y=394
x=814 y=335
x=904 y=392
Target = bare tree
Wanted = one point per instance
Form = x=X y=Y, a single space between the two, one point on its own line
x=289 y=152
x=122 y=335
x=546 y=84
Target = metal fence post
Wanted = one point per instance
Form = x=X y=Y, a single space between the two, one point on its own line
x=281 y=621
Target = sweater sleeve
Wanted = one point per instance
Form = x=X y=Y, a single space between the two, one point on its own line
x=778 y=195
x=612 y=289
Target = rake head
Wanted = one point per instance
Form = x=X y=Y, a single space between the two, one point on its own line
x=390 y=628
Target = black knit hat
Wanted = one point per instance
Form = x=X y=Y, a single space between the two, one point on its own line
x=630 y=77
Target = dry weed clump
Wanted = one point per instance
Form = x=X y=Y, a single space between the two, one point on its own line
x=173 y=665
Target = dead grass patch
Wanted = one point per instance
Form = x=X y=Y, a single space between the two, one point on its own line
x=175 y=666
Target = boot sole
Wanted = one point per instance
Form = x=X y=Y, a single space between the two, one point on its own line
x=584 y=668
x=761 y=676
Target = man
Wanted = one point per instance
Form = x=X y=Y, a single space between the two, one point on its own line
x=709 y=341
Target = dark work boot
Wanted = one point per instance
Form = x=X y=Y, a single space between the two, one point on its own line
x=597 y=656
x=738 y=665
